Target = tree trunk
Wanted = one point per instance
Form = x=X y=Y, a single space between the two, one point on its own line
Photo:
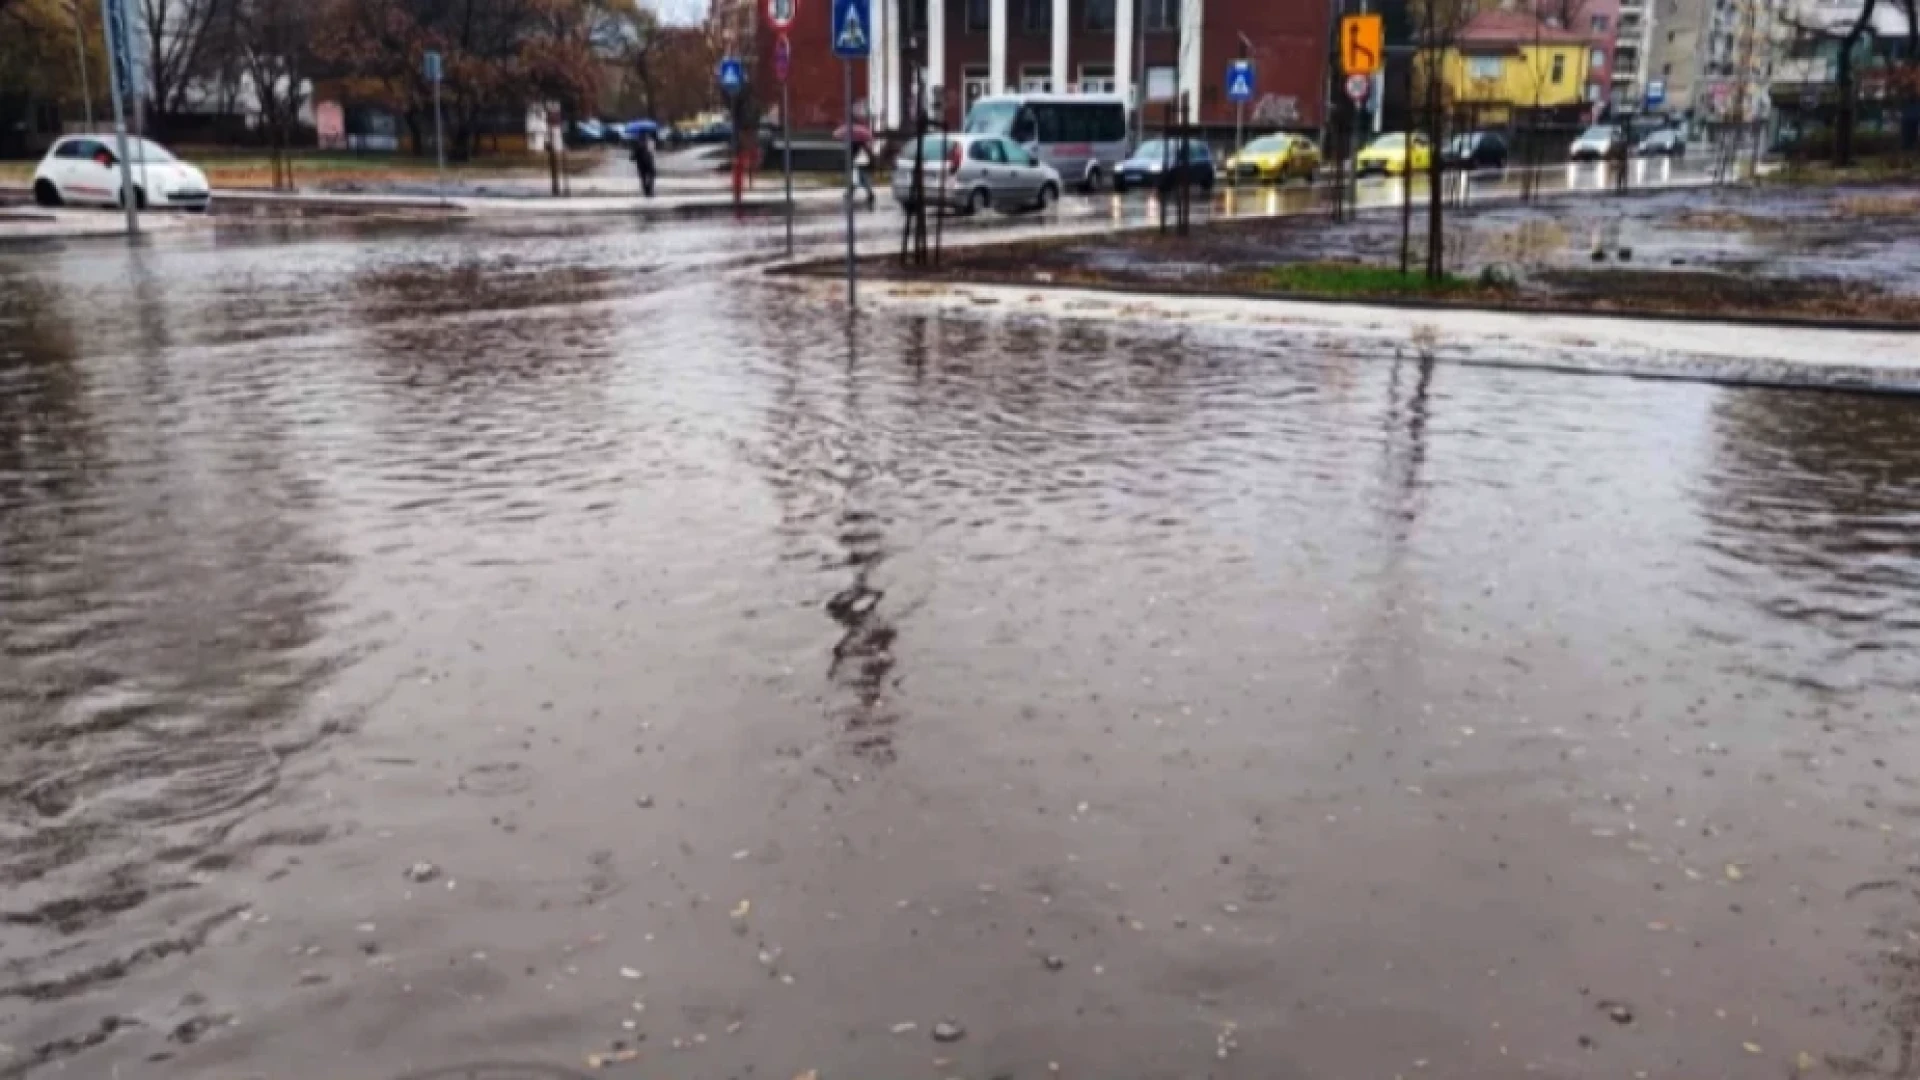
x=1843 y=121
x=1436 y=134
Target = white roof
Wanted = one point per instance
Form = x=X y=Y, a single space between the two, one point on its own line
x=1054 y=99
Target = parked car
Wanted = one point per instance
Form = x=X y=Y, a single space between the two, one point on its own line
x=1274 y=158
x=1157 y=164
x=1671 y=143
x=1083 y=136
x=1475 y=150
x=1598 y=143
x=972 y=173
x=1387 y=155
x=587 y=132
x=84 y=169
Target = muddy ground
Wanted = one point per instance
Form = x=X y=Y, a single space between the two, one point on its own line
x=1844 y=253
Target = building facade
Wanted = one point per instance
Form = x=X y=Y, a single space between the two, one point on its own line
x=966 y=49
x=1632 y=48
x=1504 y=62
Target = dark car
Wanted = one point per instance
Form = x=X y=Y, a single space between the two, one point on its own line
x=1670 y=142
x=1157 y=164
x=1475 y=150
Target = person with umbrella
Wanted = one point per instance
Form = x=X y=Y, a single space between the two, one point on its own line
x=863 y=161
x=642 y=132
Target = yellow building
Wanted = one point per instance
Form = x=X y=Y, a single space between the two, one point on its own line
x=1508 y=60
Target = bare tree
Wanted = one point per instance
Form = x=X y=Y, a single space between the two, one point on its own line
x=1848 y=37
x=1438 y=24
x=177 y=36
x=274 y=41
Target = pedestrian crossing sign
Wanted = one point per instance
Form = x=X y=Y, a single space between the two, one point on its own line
x=1240 y=81
x=850 y=37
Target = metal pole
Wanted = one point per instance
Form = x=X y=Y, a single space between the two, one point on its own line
x=127 y=199
x=846 y=71
x=1239 y=124
x=439 y=142
x=786 y=153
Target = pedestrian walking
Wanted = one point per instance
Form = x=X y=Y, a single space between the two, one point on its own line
x=643 y=161
x=863 y=172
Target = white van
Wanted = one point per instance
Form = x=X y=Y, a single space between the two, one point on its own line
x=1083 y=136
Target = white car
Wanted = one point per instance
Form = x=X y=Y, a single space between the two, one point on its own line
x=84 y=169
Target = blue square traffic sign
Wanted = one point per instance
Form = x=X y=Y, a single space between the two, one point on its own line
x=852 y=23
x=732 y=75
x=1240 y=84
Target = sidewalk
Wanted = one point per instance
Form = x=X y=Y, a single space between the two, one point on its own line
x=32 y=225
x=27 y=223
x=1882 y=361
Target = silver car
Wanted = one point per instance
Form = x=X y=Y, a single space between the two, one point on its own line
x=971 y=173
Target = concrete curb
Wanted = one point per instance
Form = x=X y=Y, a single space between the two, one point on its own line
x=1796 y=358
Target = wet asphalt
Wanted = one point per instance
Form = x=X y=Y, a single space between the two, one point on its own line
x=550 y=649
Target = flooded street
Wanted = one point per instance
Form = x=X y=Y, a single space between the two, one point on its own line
x=515 y=653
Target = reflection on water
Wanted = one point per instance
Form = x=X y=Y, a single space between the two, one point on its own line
x=1814 y=512
x=1203 y=657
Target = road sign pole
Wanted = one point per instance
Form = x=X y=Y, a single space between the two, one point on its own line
x=846 y=71
x=439 y=142
x=119 y=64
x=1239 y=126
x=786 y=154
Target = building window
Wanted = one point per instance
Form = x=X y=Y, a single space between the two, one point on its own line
x=1483 y=68
x=1096 y=78
x=1597 y=59
x=1559 y=69
x=1100 y=15
x=1036 y=79
x=974 y=81
x=1039 y=16
x=1163 y=16
x=1599 y=24
x=977 y=16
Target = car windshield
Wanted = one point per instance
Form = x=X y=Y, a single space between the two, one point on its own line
x=1597 y=133
x=1166 y=150
x=992 y=118
x=931 y=148
x=1463 y=143
x=1389 y=142
x=1272 y=144
x=149 y=153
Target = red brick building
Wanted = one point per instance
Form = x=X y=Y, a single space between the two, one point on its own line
x=975 y=47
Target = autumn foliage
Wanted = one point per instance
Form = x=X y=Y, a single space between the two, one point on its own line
x=497 y=56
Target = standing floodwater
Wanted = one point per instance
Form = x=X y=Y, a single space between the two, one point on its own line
x=544 y=652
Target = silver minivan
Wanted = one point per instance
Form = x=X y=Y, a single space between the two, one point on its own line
x=1083 y=136
x=971 y=173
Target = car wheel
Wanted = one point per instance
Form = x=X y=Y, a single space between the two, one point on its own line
x=1048 y=196
x=1095 y=181
x=139 y=199
x=45 y=194
x=979 y=201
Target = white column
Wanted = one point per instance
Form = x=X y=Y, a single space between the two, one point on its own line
x=997 y=46
x=1123 y=50
x=877 y=67
x=1190 y=55
x=896 y=65
x=937 y=47
x=1062 y=75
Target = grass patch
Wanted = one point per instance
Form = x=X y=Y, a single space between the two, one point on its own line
x=1355 y=279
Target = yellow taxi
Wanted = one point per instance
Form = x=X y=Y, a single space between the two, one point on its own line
x=1387 y=154
x=1274 y=158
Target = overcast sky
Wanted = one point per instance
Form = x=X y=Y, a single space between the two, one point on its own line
x=679 y=11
